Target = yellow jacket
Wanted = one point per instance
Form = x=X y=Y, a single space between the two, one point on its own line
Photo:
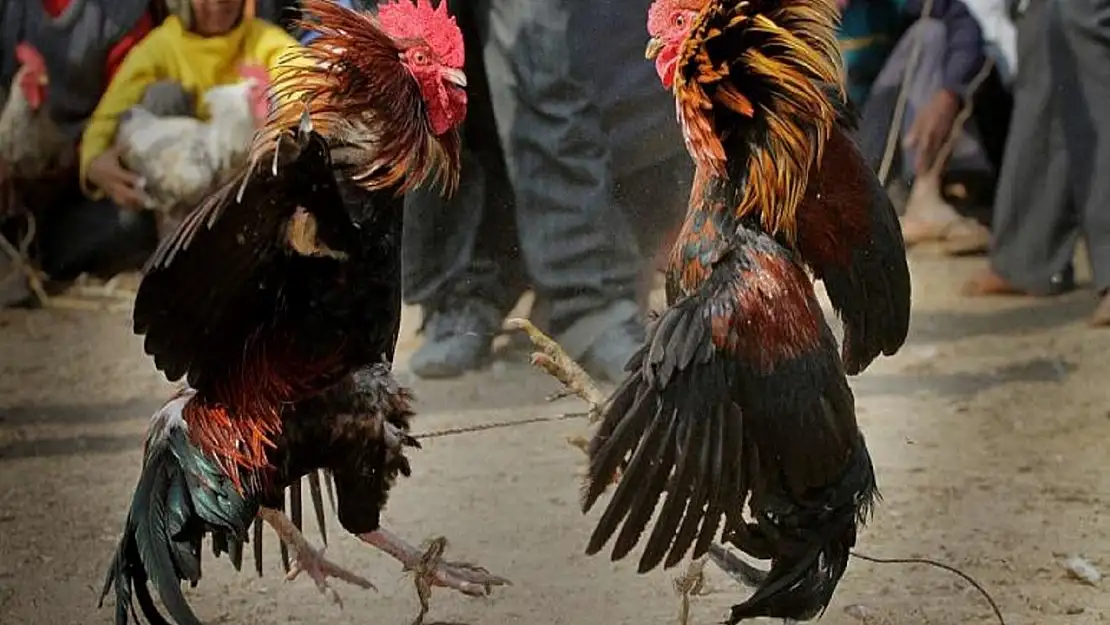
x=170 y=52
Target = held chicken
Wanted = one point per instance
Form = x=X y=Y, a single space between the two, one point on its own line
x=738 y=405
x=279 y=300
x=182 y=159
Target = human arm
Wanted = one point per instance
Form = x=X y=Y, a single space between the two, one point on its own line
x=964 y=50
x=964 y=56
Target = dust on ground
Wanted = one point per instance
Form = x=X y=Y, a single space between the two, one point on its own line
x=990 y=433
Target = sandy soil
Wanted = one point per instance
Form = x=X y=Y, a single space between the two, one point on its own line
x=990 y=432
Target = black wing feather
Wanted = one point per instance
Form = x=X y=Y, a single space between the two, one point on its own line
x=709 y=425
x=225 y=272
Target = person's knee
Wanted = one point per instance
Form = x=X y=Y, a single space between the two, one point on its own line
x=167 y=98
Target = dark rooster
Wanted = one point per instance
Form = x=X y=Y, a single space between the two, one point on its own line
x=739 y=398
x=279 y=301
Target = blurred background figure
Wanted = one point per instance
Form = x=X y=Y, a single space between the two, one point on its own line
x=58 y=57
x=568 y=139
x=878 y=39
x=285 y=13
x=201 y=45
x=1054 y=186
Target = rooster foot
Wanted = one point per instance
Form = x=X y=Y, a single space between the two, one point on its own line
x=431 y=570
x=310 y=560
x=554 y=360
x=690 y=584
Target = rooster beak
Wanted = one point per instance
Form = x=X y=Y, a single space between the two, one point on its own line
x=654 y=47
x=455 y=77
x=305 y=126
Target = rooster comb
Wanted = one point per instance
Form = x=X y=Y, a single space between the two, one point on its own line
x=402 y=20
x=659 y=13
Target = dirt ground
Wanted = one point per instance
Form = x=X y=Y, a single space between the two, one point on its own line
x=990 y=432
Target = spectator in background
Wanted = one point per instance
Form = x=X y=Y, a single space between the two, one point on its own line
x=83 y=43
x=538 y=204
x=878 y=37
x=203 y=43
x=1054 y=185
x=286 y=12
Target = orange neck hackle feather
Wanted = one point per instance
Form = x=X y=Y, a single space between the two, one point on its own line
x=786 y=53
x=358 y=93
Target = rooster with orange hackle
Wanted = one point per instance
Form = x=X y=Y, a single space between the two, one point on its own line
x=279 y=301
x=736 y=421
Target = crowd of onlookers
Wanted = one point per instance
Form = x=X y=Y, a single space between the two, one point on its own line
x=574 y=173
x=1035 y=152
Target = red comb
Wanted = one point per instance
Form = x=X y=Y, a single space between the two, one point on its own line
x=27 y=55
x=255 y=71
x=403 y=20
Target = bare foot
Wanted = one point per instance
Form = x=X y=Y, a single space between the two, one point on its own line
x=966 y=237
x=987 y=282
x=308 y=559
x=928 y=216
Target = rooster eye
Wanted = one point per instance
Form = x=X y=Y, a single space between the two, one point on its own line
x=420 y=57
x=680 y=20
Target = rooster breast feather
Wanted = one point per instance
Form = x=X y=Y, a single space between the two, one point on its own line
x=214 y=292
x=738 y=397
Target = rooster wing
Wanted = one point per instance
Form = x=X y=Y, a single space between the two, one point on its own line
x=214 y=292
x=737 y=392
x=849 y=235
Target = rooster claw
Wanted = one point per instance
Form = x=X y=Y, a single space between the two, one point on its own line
x=467 y=578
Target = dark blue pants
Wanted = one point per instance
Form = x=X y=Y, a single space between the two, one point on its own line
x=547 y=196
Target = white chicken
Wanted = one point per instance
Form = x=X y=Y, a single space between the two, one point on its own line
x=181 y=159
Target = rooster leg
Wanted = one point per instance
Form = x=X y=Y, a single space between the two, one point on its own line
x=554 y=360
x=736 y=568
x=309 y=560
x=691 y=583
x=430 y=569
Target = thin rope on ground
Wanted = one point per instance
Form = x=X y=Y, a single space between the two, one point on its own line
x=500 y=424
x=940 y=565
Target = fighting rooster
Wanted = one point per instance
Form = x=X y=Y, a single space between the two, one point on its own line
x=739 y=397
x=279 y=301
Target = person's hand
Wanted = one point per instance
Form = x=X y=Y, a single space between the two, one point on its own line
x=111 y=177
x=931 y=128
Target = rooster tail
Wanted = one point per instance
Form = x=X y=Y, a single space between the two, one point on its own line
x=808 y=546
x=179 y=497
